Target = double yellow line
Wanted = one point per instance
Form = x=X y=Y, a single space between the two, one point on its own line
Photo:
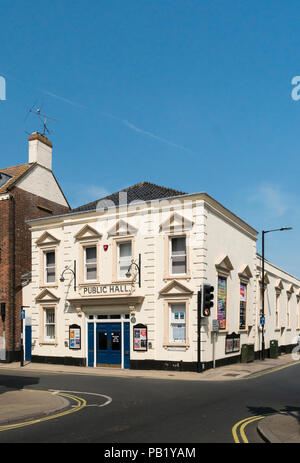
x=238 y=430
x=80 y=403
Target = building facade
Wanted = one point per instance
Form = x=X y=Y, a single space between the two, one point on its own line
x=116 y=282
x=26 y=191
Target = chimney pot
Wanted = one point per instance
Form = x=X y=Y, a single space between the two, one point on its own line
x=40 y=150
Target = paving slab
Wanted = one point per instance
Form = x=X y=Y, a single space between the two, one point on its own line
x=280 y=428
x=232 y=372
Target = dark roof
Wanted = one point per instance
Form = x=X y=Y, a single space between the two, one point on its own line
x=143 y=191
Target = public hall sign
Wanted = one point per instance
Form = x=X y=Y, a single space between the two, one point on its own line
x=105 y=290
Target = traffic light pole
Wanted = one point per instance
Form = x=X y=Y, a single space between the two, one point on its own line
x=199 y=332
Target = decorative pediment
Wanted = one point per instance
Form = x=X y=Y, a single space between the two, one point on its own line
x=122 y=228
x=279 y=284
x=47 y=296
x=224 y=265
x=174 y=288
x=176 y=223
x=266 y=279
x=47 y=239
x=87 y=233
x=290 y=288
x=246 y=273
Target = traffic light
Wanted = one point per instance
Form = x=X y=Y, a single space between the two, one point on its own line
x=207 y=296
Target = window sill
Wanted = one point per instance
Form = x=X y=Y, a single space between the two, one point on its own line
x=122 y=282
x=179 y=277
x=48 y=343
x=186 y=346
x=89 y=283
x=49 y=285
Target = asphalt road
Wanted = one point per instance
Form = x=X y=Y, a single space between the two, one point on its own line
x=154 y=411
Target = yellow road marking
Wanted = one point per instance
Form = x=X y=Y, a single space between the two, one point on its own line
x=80 y=404
x=242 y=428
x=243 y=423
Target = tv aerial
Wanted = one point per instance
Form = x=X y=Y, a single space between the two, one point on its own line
x=44 y=118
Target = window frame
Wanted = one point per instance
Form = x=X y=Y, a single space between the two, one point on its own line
x=225 y=277
x=118 y=244
x=85 y=264
x=277 y=310
x=246 y=284
x=173 y=323
x=46 y=267
x=288 y=309
x=46 y=338
x=183 y=255
x=298 y=312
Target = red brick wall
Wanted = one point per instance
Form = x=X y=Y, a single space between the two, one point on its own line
x=16 y=262
x=6 y=275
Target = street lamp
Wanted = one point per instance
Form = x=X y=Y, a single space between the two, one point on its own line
x=263 y=286
x=138 y=267
x=74 y=274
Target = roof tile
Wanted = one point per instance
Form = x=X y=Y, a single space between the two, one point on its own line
x=143 y=191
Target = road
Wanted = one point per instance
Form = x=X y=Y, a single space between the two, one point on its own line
x=139 y=410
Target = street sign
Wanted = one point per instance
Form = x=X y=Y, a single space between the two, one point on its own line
x=262 y=320
x=22 y=314
x=215 y=325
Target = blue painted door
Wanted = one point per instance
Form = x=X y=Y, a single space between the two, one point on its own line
x=109 y=344
x=28 y=343
x=127 y=345
x=91 y=347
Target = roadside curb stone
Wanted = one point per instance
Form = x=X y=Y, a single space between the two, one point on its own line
x=280 y=428
x=24 y=405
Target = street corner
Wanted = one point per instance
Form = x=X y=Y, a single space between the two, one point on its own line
x=280 y=428
x=23 y=407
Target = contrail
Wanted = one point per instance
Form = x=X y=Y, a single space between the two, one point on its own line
x=127 y=124
x=156 y=137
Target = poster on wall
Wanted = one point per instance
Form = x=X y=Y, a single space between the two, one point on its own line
x=222 y=295
x=243 y=301
x=140 y=337
x=232 y=343
x=74 y=337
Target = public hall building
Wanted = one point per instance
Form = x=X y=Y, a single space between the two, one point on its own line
x=115 y=283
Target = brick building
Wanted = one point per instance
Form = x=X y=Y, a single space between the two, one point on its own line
x=27 y=191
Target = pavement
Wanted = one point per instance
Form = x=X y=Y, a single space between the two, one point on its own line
x=25 y=404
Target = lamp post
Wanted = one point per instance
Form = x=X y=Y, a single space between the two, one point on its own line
x=74 y=274
x=138 y=267
x=263 y=286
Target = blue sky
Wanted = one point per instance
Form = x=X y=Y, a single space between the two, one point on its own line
x=193 y=95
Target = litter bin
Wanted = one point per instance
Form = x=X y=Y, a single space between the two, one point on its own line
x=274 y=349
x=247 y=353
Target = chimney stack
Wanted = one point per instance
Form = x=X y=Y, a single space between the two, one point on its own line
x=40 y=150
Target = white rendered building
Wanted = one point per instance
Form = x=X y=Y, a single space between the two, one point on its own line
x=115 y=283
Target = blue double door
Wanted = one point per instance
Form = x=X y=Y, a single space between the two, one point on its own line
x=111 y=344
